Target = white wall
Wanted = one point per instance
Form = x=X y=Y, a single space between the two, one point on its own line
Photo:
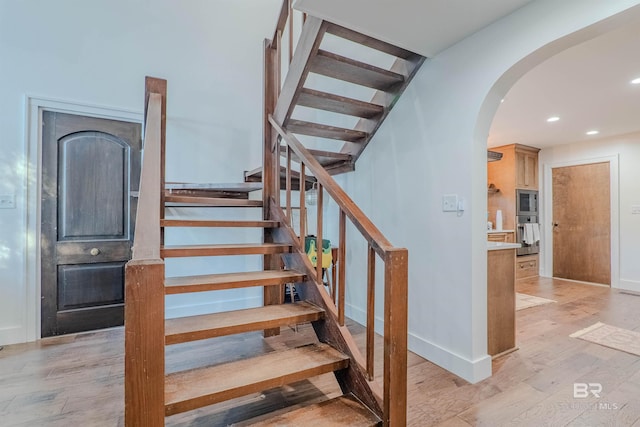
x=434 y=143
x=626 y=149
x=97 y=53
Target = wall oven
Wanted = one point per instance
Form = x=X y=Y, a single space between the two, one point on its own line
x=528 y=235
x=527 y=227
x=526 y=202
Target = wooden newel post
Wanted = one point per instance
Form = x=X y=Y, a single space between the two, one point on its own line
x=395 y=337
x=270 y=165
x=144 y=343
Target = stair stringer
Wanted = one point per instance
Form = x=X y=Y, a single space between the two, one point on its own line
x=353 y=379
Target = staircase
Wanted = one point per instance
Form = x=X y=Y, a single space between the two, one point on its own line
x=311 y=58
x=151 y=393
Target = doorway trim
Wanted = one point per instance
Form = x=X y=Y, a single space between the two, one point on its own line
x=34 y=106
x=547 y=246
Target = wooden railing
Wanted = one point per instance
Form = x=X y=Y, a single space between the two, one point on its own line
x=395 y=277
x=144 y=276
x=278 y=106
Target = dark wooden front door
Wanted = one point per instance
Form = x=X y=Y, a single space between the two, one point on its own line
x=90 y=167
x=582 y=223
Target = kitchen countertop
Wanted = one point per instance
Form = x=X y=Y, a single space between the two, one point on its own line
x=499 y=231
x=497 y=246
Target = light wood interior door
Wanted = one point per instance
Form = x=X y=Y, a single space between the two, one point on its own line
x=90 y=167
x=582 y=223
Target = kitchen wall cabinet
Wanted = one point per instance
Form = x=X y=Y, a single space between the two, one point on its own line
x=526 y=167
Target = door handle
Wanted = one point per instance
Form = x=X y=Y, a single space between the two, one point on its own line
x=94 y=251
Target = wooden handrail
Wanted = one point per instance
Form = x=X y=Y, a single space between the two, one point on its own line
x=372 y=235
x=146 y=243
x=395 y=282
x=282 y=22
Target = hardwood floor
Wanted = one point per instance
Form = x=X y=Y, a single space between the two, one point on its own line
x=78 y=379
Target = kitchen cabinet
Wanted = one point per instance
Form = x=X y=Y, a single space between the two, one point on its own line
x=527 y=266
x=501 y=236
x=518 y=169
x=526 y=167
x=501 y=300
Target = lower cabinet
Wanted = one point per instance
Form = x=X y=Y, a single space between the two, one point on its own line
x=527 y=266
x=507 y=236
x=501 y=302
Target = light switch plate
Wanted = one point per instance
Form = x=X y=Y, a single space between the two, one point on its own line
x=635 y=209
x=450 y=203
x=7 y=201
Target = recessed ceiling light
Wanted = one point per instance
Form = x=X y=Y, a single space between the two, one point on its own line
x=635 y=81
x=553 y=119
x=502 y=100
x=593 y=132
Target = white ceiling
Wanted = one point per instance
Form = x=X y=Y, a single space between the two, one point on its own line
x=422 y=26
x=587 y=86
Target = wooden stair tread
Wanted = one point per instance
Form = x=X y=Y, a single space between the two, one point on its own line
x=197 y=201
x=324 y=131
x=349 y=70
x=212 y=282
x=246 y=187
x=223 y=249
x=255 y=175
x=216 y=223
x=340 y=411
x=206 y=326
x=196 y=388
x=365 y=40
x=338 y=104
x=322 y=156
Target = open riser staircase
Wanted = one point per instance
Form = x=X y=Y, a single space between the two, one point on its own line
x=151 y=391
x=311 y=58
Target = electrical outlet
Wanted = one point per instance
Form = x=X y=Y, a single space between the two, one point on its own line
x=7 y=201
x=450 y=203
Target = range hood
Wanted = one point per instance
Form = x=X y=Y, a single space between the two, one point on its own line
x=493 y=156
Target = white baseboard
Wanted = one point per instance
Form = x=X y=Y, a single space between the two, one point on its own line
x=360 y=316
x=470 y=370
x=172 y=312
x=628 y=285
x=12 y=335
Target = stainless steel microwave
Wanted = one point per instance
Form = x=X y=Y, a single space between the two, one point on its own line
x=526 y=202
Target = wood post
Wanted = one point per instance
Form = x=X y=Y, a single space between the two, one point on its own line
x=288 y=186
x=302 y=182
x=342 y=265
x=144 y=343
x=371 y=309
x=395 y=337
x=319 y=237
x=270 y=166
